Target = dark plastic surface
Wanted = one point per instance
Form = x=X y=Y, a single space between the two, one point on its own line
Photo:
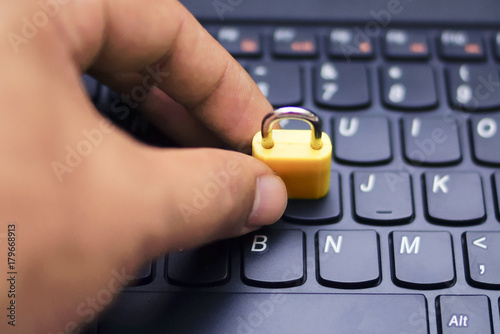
x=202 y=313
x=375 y=14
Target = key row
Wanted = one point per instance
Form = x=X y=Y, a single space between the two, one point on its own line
x=344 y=259
x=426 y=140
x=403 y=86
x=352 y=43
x=386 y=198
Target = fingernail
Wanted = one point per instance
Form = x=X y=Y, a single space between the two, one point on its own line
x=270 y=201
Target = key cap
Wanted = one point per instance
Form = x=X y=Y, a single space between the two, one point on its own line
x=496 y=44
x=280 y=83
x=240 y=41
x=274 y=259
x=431 y=141
x=482 y=260
x=160 y=313
x=496 y=191
x=325 y=210
x=144 y=275
x=464 y=314
x=348 y=259
x=382 y=198
x=349 y=44
x=486 y=139
x=422 y=260
x=291 y=42
x=408 y=87
x=362 y=140
x=341 y=85
x=454 y=198
x=406 y=44
x=205 y=266
x=473 y=87
x=461 y=45
x=92 y=87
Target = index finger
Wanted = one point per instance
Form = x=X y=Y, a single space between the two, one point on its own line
x=193 y=68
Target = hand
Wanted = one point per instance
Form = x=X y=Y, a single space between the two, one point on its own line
x=88 y=201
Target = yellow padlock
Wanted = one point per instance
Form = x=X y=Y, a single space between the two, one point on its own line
x=302 y=158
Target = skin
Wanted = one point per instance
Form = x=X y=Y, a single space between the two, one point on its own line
x=122 y=203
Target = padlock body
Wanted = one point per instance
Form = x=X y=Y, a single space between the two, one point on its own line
x=305 y=171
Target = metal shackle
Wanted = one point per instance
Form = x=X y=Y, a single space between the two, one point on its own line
x=297 y=113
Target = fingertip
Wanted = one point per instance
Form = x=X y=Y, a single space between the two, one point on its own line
x=270 y=201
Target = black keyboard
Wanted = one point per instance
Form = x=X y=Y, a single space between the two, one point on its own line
x=407 y=239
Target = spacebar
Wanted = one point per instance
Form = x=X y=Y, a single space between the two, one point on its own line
x=187 y=312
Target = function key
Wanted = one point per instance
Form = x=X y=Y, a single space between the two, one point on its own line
x=409 y=86
x=422 y=260
x=486 y=139
x=291 y=42
x=454 y=198
x=341 y=85
x=280 y=83
x=404 y=44
x=240 y=41
x=482 y=260
x=473 y=87
x=348 y=43
x=464 y=314
x=461 y=45
x=431 y=140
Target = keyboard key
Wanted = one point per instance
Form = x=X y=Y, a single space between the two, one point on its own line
x=482 y=260
x=422 y=260
x=473 y=87
x=92 y=86
x=348 y=259
x=324 y=210
x=496 y=191
x=280 y=83
x=382 y=198
x=362 y=140
x=496 y=44
x=431 y=141
x=409 y=86
x=205 y=266
x=350 y=44
x=464 y=314
x=404 y=44
x=144 y=275
x=461 y=45
x=291 y=42
x=454 y=198
x=341 y=85
x=240 y=41
x=193 y=312
x=274 y=259
x=486 y=139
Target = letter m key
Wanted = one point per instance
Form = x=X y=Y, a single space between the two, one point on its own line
x=407 y=248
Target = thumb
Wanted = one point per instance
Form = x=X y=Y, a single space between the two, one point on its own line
x=209 y=194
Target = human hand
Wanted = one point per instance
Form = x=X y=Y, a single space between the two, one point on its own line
x=121 y=202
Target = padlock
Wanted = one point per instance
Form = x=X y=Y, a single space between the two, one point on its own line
x=302 y=158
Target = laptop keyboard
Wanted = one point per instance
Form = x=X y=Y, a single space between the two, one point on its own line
x=407 y=239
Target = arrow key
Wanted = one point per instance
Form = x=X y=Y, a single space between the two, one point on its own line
x=482 y=260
